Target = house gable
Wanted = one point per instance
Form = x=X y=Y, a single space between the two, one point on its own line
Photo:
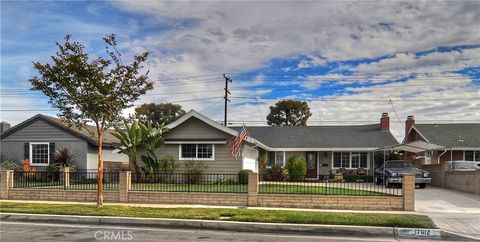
x=414 y=135
x=195 y=129
x=38 y=129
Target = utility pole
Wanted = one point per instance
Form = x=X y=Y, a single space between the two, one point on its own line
x=227 y=80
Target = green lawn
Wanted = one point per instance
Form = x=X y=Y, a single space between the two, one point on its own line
x=243 y=215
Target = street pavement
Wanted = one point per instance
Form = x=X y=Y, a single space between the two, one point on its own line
x=451 y=210
x=20 y=231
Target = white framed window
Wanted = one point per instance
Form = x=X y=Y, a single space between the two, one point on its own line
x=349 y=160
x=196 y=152
x=276 y=158
x=40 y=153
x=470 y=155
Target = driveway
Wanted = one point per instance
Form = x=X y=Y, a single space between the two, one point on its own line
x=451 y=210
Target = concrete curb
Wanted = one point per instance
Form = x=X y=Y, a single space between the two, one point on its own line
x=326 y=230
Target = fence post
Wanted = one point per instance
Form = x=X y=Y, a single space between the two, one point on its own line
x=5 y=183
x=65 y=177
x=125 y=181
x=252 y=189
x=408 y=188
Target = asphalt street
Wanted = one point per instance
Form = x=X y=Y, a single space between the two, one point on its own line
x=19 y=231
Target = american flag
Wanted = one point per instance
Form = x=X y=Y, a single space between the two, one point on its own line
x=237 y=141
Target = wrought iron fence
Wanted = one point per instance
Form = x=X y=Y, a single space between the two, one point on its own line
x=347 y=185
x=188 y=182
x=87 y=180
x=38 y=179
x=77 y=180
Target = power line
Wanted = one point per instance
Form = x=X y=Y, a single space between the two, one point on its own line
x=211 y=106
x=355 y=100
x=396 y=114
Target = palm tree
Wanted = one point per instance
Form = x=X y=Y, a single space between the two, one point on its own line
x=130 y=137
x=152 y=139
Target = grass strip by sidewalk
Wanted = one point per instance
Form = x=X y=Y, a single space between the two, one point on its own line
x=226 y=214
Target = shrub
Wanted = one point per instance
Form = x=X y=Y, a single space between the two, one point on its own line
x=195 y=169
x=243 y=176
x=262 y=164
x=167 y=164
x=26 y=167
x=9 y=165
x=64 y=157
x=276 y=173
x=297 y=168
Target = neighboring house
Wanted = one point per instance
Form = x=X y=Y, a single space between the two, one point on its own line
x=326 y=148
x=37 y=138
x=461 y=139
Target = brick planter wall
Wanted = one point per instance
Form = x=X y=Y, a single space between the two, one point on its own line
x=221 y=199
x=60 y=195
x=331 y=202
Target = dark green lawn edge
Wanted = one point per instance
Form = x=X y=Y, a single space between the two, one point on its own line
x=227 y=214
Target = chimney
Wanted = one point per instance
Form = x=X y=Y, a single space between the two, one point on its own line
x=385 y=122
x=4 y=126
x=408 y=125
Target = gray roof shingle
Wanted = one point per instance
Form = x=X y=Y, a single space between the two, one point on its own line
x=450 y=134
x=356 y=136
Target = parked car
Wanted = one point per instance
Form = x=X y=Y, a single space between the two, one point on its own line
x=394 y=170
x=463 y=165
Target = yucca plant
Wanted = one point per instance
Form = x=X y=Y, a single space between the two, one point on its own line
x=64 y=157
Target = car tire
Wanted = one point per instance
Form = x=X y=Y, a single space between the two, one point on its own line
x=378 y=181
x=422 y=185
x=388 y=184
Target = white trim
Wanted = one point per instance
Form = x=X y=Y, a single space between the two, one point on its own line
x=350 y=160
x=323 y=149
x=193 y=113
x=30 y=153
x=465 y=148
x=196 y=142
x=418 y=132
x=196 y=153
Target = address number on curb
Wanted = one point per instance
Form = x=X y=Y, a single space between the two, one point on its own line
x=418 y=233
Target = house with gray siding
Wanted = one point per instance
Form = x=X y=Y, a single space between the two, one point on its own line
x=37 y=138
x=325 y=148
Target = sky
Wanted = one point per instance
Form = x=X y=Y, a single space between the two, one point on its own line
x=351 y=61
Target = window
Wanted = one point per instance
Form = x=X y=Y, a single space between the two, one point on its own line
x=359 y=159
x=276 y=158
x=350 y=160
x=471 y=155
x=39 y=153
x=197 y=152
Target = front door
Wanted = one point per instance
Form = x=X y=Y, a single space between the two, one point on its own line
x=311 y=164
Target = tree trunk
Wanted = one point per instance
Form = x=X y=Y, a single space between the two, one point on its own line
x=100 y=169
x=136 y=166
